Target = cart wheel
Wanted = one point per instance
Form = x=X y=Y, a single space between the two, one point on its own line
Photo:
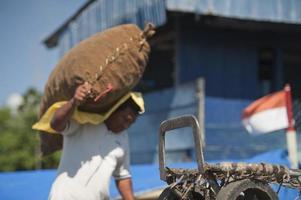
x=247 y=190
x=174 y=194
x=169 y=194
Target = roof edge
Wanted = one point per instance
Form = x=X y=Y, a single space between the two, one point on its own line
x=52 y=40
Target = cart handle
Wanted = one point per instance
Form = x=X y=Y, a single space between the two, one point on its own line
x=180 y=122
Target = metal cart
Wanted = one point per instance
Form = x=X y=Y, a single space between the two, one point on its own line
x=221 y=181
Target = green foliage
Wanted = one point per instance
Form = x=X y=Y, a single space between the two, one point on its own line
x=19 y=144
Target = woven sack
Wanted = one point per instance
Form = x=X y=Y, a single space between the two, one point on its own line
x=113 y=60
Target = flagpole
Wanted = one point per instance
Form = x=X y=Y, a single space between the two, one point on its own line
x=291 y=138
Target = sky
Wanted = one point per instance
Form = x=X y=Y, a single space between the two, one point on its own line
x=24 y=60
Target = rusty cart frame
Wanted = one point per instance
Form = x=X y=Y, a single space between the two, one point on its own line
x=221 y=181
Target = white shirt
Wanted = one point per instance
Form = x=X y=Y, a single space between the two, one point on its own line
x=91 y=155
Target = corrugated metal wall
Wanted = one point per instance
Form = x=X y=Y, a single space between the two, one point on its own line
x=227 y=62
x=225 y=136
x=162 y=105
x=284 y=11
x=103 y=14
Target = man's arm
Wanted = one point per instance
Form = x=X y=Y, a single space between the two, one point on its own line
x=125 y=188
x=63 y=115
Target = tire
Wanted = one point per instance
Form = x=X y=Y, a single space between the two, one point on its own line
x=247 y=190
x=173 y=194
x=169 y=194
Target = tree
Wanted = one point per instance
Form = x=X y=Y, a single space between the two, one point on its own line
x=19 y=144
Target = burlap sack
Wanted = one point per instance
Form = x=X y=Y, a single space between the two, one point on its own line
x=115 y=59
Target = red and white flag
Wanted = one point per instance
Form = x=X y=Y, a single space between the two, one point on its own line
x=270 y=113
x=266 y=114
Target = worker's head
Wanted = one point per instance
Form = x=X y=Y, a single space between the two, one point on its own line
x=123 y=117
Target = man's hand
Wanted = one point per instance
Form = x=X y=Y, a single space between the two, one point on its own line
x=81 y=93
x=63 y=115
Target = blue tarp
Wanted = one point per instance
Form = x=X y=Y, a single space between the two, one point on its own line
x=35 y=185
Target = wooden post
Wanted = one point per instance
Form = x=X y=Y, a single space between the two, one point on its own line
x=291 y=138
x=200 y=93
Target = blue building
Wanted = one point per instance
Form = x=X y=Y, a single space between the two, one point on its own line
x=243 y=49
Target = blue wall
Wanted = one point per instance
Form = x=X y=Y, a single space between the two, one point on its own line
x=159 y=106
x=225 y=136
x=229 y=62
x=223 y=58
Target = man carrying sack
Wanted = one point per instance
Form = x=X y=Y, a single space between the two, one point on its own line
x=93 y=153
x=90 y=123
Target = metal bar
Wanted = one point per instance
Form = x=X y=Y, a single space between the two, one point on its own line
x=180 y=122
